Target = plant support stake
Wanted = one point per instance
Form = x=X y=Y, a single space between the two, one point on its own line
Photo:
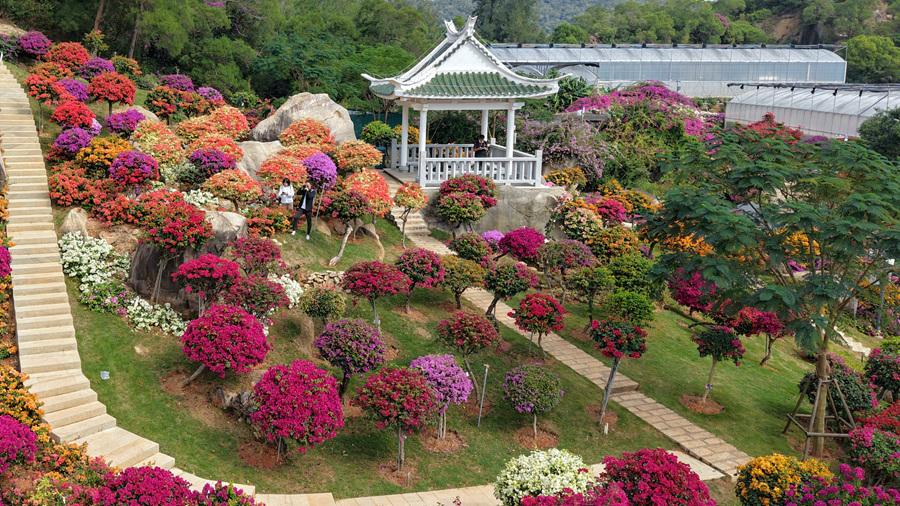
x=483 y=389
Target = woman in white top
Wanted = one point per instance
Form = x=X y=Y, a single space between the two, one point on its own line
x=286 y=194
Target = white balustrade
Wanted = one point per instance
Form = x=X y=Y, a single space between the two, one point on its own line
x=444 y=161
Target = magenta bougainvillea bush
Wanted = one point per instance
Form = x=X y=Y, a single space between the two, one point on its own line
x=176 y=227
x=539 y=313
x=371 y=280
x=211 y=161
x=5 y=262
x=467 y=333
x=878 y=452
x=75 y=88
x=131 y=169
x=847 y=489
x=883 y=371
x=651 y=477
x=485 y=189
x=423 y=268
x=692 y=291
x=257 y=255
x=600 y=494
x=470 y=246
x=124 y=123
x=225 y=338
x=18 y=443
x=297 y=402
x=750 y=321
x=618 y=339
x=353 y=346
x=259 y=295
x=34 y=44
x=221 y=494
x=522 y=244
x=207 y=276
x=136 y=486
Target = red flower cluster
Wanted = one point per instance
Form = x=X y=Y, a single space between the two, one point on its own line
x=176 y=227
x=225 y=338
x=468 y=333
x=112 y=87
x=616 y=339
x=371 y=280
x=257 y=255
x=768 y=127
x=72 y=114
x=46 y=89
x=257 y=295
x=654 y=477
x=539 y=313
x=522 y=244
x=692 y=291
x=750 y=321
x=297 y=402
x=397 y=396
x=70 y=55
x=721 y=343
x=206 y=275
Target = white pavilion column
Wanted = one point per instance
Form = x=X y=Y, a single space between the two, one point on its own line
x=404 y=138
x=510 y=140
x=423 y=134
x=485 y=116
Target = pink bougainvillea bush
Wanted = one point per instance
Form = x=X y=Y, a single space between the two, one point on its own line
x=616 y=340
x=522 y=244
x=883 y=370
x=692 y=291
x=721 y=343
x=372 y=280
x=467 y=333
x=653 y=477
x=877 y=451
x=257 y=255
x=259 y=295
x=846 y=489
x=135 y=486
x=508 y=280
x=297 y=402
x=539 y=313
x=397 y=397
x=176 y=227
x=449 y=383
x=480 y=186
x=18 y=443
x=225 y=338
x=221 y=495
x=353 y=346
x=207 y=276
x=423 y=267
x=600 y=494
x=132 y=169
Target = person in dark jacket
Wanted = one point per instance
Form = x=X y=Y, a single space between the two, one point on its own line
x=481 y=147
x=304 y=201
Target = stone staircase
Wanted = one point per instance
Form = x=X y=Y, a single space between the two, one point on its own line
x=48 y=349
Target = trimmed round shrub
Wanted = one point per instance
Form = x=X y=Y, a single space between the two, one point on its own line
x=538 y=313
x=612 y=242
x=485 y=189
x=322 y=303
x=449 y=382
x=280 y=167
x=225 y=338
x=211 y=161
x=18 y=443
x=207 y=275
x=307 y=131
x=508 y=280
x=460 y=275
x=423 y=268
x=321 y=172
x=541 y=473
x=764 y=480
x=70 y=141
x=71 y=114
x=397 y=396
x=564 y=256
x=374 y=187
x=133 y=168
x=353 y=346
x=75 y=88
x=460 y=209
x=95 y=66
x=371 y=280
x=297 y=402
x=346 y=205
x=212 y=95
x=532 y=389
x=155 y=139
x=467 y=333
x=617 y=339
x=653 y=477
x=179 y=82
x=470 y=246
x=629 y=306
x=98 y=156
x=257 y=255
x=410 y=196
x=113 y=88
x=632 y=273
x=34 y=44
x=522 y=244
x=124 y=123
x=259 y=295
x=353 y=156
x=377 y=133
x=234 y=185
x=71 y=55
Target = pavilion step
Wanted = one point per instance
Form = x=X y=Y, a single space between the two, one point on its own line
x=47 y=346
x=93 y=425
x=35 y=310
x=49 y=362
x=75 y=414
x=50 y=387
x=39 y=258
x=159 y=460
x=41 y=268
x=46 y=333
x=68 y=400
x=43 y=322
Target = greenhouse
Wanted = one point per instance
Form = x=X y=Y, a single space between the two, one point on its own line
x=829 y=110
x=694 y=70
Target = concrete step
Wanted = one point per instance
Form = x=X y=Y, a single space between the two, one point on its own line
x=75 y=414
x=24 y=250
x=19 y=186
x=45 y=333
x=47 y=346
x=68 y=400
x=43 y=193
x=39 y=268
x=29 y=226
x=38 y=377
x=31 y=215
x=50 y=387
x=109 y=440
x=27 y=178
x=52 y=286
x=49 y=362
x=23 y=202
x=131 y=454
x=158 y=460
x=93 y=425
x=26 y=301
x=34 y=238
x=23 y=169
x=40 y=258
x=43 y=322
x=34 y=310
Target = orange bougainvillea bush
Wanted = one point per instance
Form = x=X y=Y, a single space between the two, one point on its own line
x=225 y=121
x=96 y=158
x=352 y=156
x=279 y=167
x=300 y=151
x=155 y=139
x=223 y=143
x=307 y=131
x=372 y=185
x=234 y=185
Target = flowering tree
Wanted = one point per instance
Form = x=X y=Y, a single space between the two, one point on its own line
x=848 y=488
x=506 y=281
x=210 y=161
x=460 y=209
x=522 y=244
x=352 y=346
x=721 y=343
x=883 y=371
x=617 y=339
x=257 y=255
x=207 y=276
x=68 y=54
x=308 y=131
x=400 y=397
x=124 y=123
x=533 y=390
x=259 y=295
x=18 y=443
x=483 y=188
x=347 y=206
x=538 y=313
x=693 y=291
x=449 y=383
x=235 y=186
x=543 y=473
x=423 y=267
x=72 y=114
x=131 y=169
x=375 y=188
x=459 y=275
x=652 y=477
x=353 y=156
x=321 y=170
x=750 y=321
x=95 y=66
x=468 y=334
x=471 y=246
x=371 y=280
x=322 y=303
x=297 y=402
x=225 y=338
x=561 y=257
x=411 y=198
x=280 y=167
x=114 y=88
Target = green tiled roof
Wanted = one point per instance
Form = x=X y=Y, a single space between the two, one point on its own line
x=382 y=89
x=472 y=84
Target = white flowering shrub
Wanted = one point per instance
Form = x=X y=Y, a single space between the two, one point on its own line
x=292 y=288
x=541 y=473
x=92 y=260
x=200 y=198
x=144 y=316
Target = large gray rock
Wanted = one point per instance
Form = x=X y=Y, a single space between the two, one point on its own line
x=255 y=153
x=226 y=227
x=76 y=220
x=147 y=114
x=517 y=206
x=306 y=105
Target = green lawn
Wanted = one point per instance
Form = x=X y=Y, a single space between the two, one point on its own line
x=205 y=441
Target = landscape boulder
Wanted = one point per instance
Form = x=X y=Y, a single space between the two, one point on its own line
x=76 y=220
x=317 y=106
x=226 y=227
x=255 y=153
x=147 y=114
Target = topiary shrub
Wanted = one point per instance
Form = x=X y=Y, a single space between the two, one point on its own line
x=653 y=477
x=235 y=186
x=124 y=123
x=297 y=402
x=225 y=338
x=308 y=131
x=371 y=280
x=617 y=339
x=449 y=383
x=611 y=242
x=763 y=480
x=411 y=198
x=628 y=306
x=538 y=313
x=588 y=282
x=562 y=257
x=258 y=295
x=321 y=172
x=210 y=161
x=353 y=156
x=374 y=187
x=522 y=244
x=506 y=281
x=397 y=397
x=460 y=275
x=533 y=390
x=257 y=255
x=632 y=273
x=322 y=303
x=470 y=246
x=483 y=188
x=541 y=473
x=876 y=450
x=98 y=156
x=468 y=334
x=352 y=346
x=114 y=88
x=72 y=114
x=280 y=167
x=132 y=169
x=459 y=209
x=423 y=267
x=377 y=133
x=207 y=275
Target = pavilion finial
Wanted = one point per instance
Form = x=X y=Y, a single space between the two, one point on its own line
x=467 y=30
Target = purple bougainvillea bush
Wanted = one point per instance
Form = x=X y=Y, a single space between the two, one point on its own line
x=34 y=44
x=846 y=489
x=532 y=390
x=76 y=89
x=353 y=346
x=179 y=82
x=124 y=123
x=69 y=142
x=94 y=67
x=212 y=95
x=449 y=383
x=321 y=172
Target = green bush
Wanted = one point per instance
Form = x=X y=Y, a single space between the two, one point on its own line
x=629 y=306
x=378 y=133
x=632 y=273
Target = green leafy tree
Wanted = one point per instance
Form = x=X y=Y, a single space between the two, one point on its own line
x=508 y=20
x=567 y=33
x=752 y=197
x=872 y=59
x=882 y=133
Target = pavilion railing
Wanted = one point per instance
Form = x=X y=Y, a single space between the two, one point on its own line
x=519 y=171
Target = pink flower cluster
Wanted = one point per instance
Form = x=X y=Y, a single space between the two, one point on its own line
x=507 y=280
x=601 y=494
x=353 y=346
x=297 y=402
x=449 y=382
x=257 y=255
x=18 y=443
x=206 y=275
x=136 y=486
x=225 y=338
x=422 y=266
x=133 y=168
x=617 y=339
x=721 y=343
x=539 y=313
x=397 y=396
x=693 y=291
x=371 y=280
x=653 y=477
x=256 y=294
x=658 y=95
x=846 y=489
x=467 y=332
x=522 y=244
x=750 y=321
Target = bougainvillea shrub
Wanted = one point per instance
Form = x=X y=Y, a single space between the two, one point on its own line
x=353 y=156
x=618 y=339
x=459 y=209
x=522 y=244
x=71 y=55
x=76 y=89
x=18 y=443
x=563 y=256
x=848 y=488
x=46 y=89
x=460 y=275
x=371 y=280
x=95 y=66
x=297 y=402
x=542 y=473
x=212 y=95
x=763 y=480
x=346 y=205
x=69 y=142
x=303 y=151
x=221 y=495
x=259 y=295
x=423 y=267
x=410 y=196
x=721 y=343
x=353 y=346
x=320 y=170
x=124 y=123
x=50 y=69
x=176 y=227
x=397 y=397
x=73 y=113
x=467 y=333
x=220 y=142
x=279 y=167
x=483 y=188
x=113 y=88
x=257 y=255
x=374 y=187
x=470 y=246
x=207 y=276
x=307 y=131
x=651 y=477
x=877 y=451
x=234 y=185
x=155 y=139
x=143 y=486
x=692 y=291
x=179 y=82
x=225 y=338
x=34 y=44
x=322 y=302
x=127 y=66
x=533 y=390
x=883 y=371
x=449 y=383
x=209 y=161
x=508 y=280
x=131 y=169
x=538 y=313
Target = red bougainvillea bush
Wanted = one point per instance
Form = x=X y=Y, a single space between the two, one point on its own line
x=655 y=477
x=225 y=338
x=617 y=339
x=353 y=346
x=257 y=255
x=71 y=114
x=68 y=54
x=467 y=333
x=423 y=267
x=258 y=295
x=522 y=244
x=206 y=275
x=692 y=291
x=539 y=313
x=113 y=88
x=484 y=188
x=176 y=227
x=234 y=185
x=373 y=186
x=308 y=131
x=371 y=280
x=297 y=402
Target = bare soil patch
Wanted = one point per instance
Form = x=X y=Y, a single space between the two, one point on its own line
x=545 y=438
x=195 y=398
x=470 y=408
x=581 y=334
x=611 y=418
x=413 y=314
x=452 y=443
x=695 y=403
x=406 y=477
x=259 y=455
